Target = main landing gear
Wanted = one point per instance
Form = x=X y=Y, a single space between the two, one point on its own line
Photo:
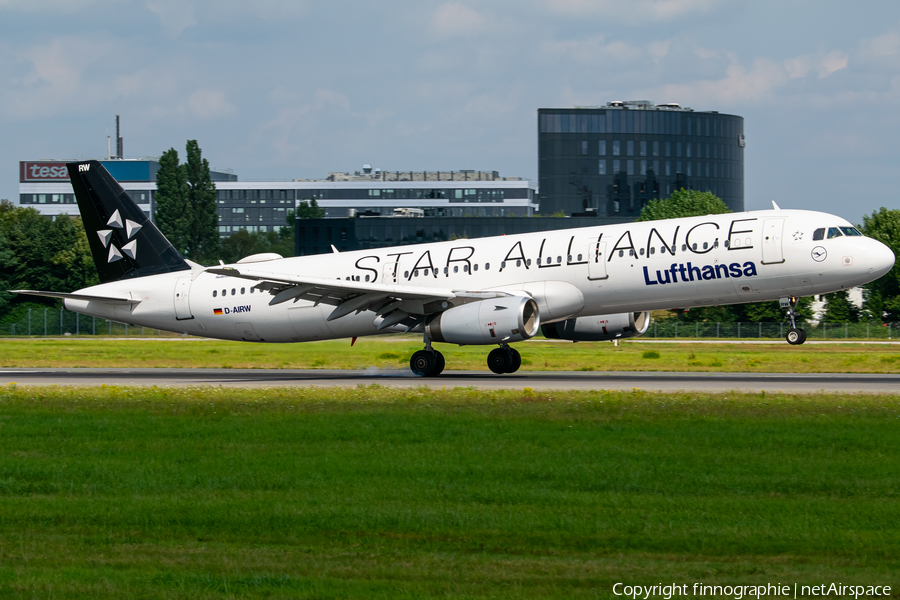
x=504 y=360
x=427 y=362
x=795 y=336
x=430 y=363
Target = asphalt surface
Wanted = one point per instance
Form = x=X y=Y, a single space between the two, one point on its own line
x=538 y=380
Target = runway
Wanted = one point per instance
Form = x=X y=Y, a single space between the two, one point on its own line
x=537 y=380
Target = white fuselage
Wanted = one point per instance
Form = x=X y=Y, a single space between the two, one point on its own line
x=676 y=263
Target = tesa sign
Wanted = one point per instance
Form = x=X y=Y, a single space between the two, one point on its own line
x=43 y=171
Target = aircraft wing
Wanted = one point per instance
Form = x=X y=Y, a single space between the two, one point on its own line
x=397 y=304
x=85 y=297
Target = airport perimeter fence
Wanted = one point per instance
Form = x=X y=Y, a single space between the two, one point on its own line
x=61 y=322
x=671 y=328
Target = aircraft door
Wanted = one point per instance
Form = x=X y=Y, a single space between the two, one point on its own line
x=183 y=299
x=597 y=261
x=389 y=273
x=772 y=249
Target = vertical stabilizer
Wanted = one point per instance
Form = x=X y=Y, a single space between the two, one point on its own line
x=123 y=241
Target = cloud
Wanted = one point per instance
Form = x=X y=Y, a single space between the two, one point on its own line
x=594 y=49
x=453 y=19
x=832 y=62
x=174 y=15
x=882 y=46
x=658 y=50
x=51 y=81
x=631 y=10
x=758 y=83
x=209 y=104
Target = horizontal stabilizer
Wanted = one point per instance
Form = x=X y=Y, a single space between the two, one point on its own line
x=85 y=297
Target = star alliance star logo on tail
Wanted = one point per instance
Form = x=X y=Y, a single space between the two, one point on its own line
x=129 y=249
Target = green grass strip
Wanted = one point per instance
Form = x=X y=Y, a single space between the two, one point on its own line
x=394 y=353
x=414 y=493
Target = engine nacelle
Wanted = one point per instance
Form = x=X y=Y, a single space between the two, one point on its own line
x=492 y=321
x=599 y=328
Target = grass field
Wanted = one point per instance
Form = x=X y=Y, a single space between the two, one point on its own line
x=394 y=353
x=381 y=493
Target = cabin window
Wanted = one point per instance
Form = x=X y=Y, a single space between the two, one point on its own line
x=446 y=270
x=621 y=253
x=214 y=293
x=233 y=291
x=694 y=246
x=539 y=261
x=726 y=243
x=819 y=234
x=465 y=268
x=652 y=249
x=631 y=252
x=243 y=290
x=559 y=259
x=579 y=257
x=683 y=247
x=487 y=266
x=416 y=273
x=705 y=245
x=406 y=274
x=502 y=264
x=528 y=262
x=456 y=269
x=834 y=232
x=518 y=262
x=569 y=258
x=475 y=266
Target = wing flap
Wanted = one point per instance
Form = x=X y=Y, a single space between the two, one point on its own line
x=349 y=296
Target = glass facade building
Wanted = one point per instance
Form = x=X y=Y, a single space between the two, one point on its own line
x=615 y=159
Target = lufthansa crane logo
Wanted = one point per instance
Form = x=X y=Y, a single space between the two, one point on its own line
x=129 y=249
x=819 y=254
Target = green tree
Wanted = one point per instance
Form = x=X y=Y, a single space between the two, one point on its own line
x=839 y=309
x=173 y=209
x=307 y=210
x=684 y=203
x=884 y=293
x=37 y=253
x=204 y=236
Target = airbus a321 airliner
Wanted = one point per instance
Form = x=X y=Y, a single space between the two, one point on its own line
x=584 y=284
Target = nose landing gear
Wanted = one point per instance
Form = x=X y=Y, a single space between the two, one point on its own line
x=795 y=335
x=504 y=360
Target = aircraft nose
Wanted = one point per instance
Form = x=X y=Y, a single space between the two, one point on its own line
x=881 y=259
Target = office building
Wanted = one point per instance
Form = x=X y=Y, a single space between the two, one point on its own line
x=616 y=158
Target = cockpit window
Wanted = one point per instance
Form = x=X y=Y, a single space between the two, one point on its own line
x=834 y=232
x=850 y=231
x=819 y=234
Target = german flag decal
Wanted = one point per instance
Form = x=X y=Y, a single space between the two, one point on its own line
x=217 y=311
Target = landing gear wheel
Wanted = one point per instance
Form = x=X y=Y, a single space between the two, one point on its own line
x=795 y=336
x=499 y=361
x=516 y=360
x=440 y=364
x=424 y=363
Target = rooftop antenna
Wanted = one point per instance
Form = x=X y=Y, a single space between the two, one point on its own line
x=119 y=144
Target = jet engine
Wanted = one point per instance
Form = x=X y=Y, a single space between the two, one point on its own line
x=598 y=328
x=491 y=321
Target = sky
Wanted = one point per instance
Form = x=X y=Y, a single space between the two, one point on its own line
x=278 y=89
